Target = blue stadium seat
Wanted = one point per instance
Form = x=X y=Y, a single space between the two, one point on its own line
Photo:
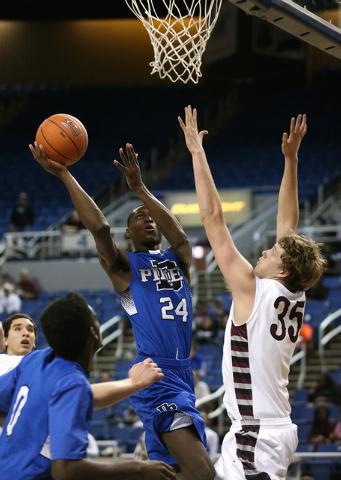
x=119 y=433
x=99 y=430
x=303 y=432
x=135 y=433
x=301 y=394
x=100 y=415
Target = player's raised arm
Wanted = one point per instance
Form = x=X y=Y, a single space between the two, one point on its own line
x=141 y=376
x=288 y=211
x=111 y=258
x=166 y=221
x=235 y=268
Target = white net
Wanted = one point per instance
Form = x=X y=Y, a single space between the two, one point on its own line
x=179 y=31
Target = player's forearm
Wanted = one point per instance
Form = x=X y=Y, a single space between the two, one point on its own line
x=108 y=393
x=208 y=197
x=90 y=470
x=288 y=211
x=169 y=226
x=90 y=215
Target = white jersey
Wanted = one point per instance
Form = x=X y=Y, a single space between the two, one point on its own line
x=257 y=355
x=9 y=362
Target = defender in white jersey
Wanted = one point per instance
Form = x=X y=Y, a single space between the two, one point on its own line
x=265 y=319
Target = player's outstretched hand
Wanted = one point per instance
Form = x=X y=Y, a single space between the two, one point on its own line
x=131 y=167
x=2 y=339
x=49 y=165
x=145 y=373
x=190 y=129
x=157 y=471
x=291 y=144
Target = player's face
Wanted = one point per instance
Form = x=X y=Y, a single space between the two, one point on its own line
x=21 y=337
x=143 y=230
x=270 y=263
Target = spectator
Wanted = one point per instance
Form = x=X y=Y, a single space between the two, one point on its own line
x=104 y=377
x=199 y=313
x=336 y=435
x=27 y=288
x=219 y=314
x=92 y=450
x=73 y=223
x=324 y=390
x=201 y=389
x=322 y=428
x=196 y=358
x=5 y=279
x=206 y=331
x=22 y=217
x=212 y=437
x=130 y=416
x=11 y=302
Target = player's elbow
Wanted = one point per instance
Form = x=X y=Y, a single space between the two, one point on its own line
x=102 y=230
x=212 y=216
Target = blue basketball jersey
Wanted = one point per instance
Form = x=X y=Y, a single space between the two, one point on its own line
x=159 y=305
x=49 y=402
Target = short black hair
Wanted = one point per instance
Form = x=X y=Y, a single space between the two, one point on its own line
x=131 y=214
x=66 y=323
x=8 y=322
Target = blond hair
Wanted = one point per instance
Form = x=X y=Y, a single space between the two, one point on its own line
x=302 y=260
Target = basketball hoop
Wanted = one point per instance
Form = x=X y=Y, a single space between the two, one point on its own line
x=180 y=36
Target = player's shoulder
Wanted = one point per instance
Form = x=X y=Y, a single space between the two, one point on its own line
x=274 y=287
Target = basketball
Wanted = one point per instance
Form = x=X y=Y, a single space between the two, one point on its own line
x=63 y=137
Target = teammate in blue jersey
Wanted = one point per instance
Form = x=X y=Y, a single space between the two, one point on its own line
x=153 y=287
x=49 y=403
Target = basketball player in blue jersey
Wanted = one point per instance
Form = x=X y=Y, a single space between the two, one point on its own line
x=154 y=289
x=50 y=403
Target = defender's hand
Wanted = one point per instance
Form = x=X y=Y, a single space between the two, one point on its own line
x=146 y=373
x=157 y=471
x=192 y=136
x=291 y=144
x=131 y=167
x=49 y=165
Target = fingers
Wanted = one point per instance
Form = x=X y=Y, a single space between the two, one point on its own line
x=148 y=360
x=118 y=165
x=182 y=125
x=123 y=157
x=131 y=153
x=298 y=123
x=285 y=137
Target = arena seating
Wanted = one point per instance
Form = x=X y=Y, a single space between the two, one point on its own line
x=112 y=116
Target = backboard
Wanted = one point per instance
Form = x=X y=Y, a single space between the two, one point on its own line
x=317 y=22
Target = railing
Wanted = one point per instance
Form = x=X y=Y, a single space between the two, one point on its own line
x=52 y=243
x=324 y=339
x=309 y=231
x=112 y=336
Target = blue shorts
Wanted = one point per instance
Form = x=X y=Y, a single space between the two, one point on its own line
x=167 y=405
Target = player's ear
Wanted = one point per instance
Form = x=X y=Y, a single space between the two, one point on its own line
x=93 y=333
x=128 y=232
x=281 y=275
x=6 y=341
